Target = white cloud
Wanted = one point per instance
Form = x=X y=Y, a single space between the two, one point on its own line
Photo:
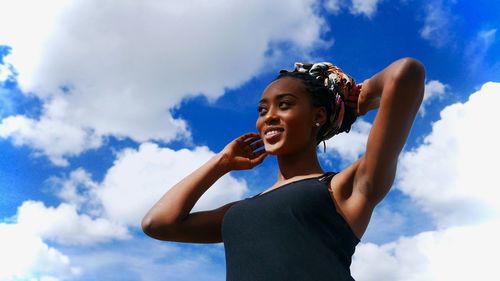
x=437 y=23
x=457 y=253
x=122 y=68
x=452 y=175
x=433 y=89
x=333 y=6
x=367 y=8
x=65 y=225
x=148 y=259
x=24 y=256
x=349 y=146
x=78 y=190
x=140 y=177
x=53 y=137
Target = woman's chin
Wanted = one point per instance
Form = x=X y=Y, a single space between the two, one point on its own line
x=273 y=149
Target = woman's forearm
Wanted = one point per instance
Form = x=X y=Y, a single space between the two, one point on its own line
x=177 y=203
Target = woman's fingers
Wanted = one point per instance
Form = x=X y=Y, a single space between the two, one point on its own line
x=247 y=137
x=256 y=144
x=244 y=151
x=258 y=157
x=259 y=152
x=253 y=141
x=354 y=94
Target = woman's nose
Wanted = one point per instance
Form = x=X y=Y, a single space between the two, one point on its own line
x=271 y=116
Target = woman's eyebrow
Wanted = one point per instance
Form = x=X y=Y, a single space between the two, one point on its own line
x=286 y=94
x=280 y=96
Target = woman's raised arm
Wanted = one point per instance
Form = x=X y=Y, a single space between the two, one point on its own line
x=170 y=218
x=397 y=91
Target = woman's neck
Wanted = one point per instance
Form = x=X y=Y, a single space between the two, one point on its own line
x=302 y=163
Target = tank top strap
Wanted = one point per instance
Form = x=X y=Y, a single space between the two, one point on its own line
x=327 y=177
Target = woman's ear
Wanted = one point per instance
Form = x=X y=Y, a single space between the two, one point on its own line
x=319 y=116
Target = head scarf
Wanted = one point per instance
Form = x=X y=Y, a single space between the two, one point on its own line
x=340 y=84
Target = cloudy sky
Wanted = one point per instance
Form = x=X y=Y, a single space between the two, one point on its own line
x=104 y=105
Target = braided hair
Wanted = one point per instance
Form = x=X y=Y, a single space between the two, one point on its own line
x=324 y=95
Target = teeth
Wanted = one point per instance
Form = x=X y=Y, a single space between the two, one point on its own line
x=272 y=133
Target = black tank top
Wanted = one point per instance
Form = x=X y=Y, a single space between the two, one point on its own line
x=293 y=232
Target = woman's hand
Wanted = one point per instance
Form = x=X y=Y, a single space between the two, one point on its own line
x=352 y=99
x=363 y=98
x=242 y=154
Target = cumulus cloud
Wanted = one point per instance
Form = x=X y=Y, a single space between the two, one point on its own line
x=50 y=135
x=452 y=174
x=24 y=256
x=63 y=224
x=433 y=89
x=351 y=145
x=119 y=71
x=437 y=22
x=456 y=253
x=140 y=177
x=78 y=189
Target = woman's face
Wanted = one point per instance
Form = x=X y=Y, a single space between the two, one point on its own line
x=286 y=121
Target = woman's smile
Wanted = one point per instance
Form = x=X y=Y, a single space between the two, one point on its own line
x=272 y=134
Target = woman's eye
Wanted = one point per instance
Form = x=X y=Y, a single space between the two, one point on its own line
x=261 y=109
x=284 y=104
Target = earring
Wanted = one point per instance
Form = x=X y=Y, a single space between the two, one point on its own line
x=317 y=124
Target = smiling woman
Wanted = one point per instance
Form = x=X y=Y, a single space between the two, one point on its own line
x=305 y=226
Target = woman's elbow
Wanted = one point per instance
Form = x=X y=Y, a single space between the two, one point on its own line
x=411 y=68
x=146 y=225
x=410 y=77
x=152 y=228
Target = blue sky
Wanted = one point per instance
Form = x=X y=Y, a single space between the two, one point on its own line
x=104 y=106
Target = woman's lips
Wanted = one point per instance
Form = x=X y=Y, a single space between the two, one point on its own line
x=273 y=135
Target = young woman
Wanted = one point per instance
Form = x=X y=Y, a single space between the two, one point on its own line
x=307 y=224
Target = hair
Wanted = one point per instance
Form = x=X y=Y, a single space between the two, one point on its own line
x=321 y=96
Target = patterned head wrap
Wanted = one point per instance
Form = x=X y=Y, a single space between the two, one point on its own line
x=340 y=84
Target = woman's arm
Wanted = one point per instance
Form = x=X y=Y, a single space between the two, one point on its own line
x=171 y=216
x=397 y=91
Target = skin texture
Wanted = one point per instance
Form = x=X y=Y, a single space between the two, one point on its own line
x=396 y=91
